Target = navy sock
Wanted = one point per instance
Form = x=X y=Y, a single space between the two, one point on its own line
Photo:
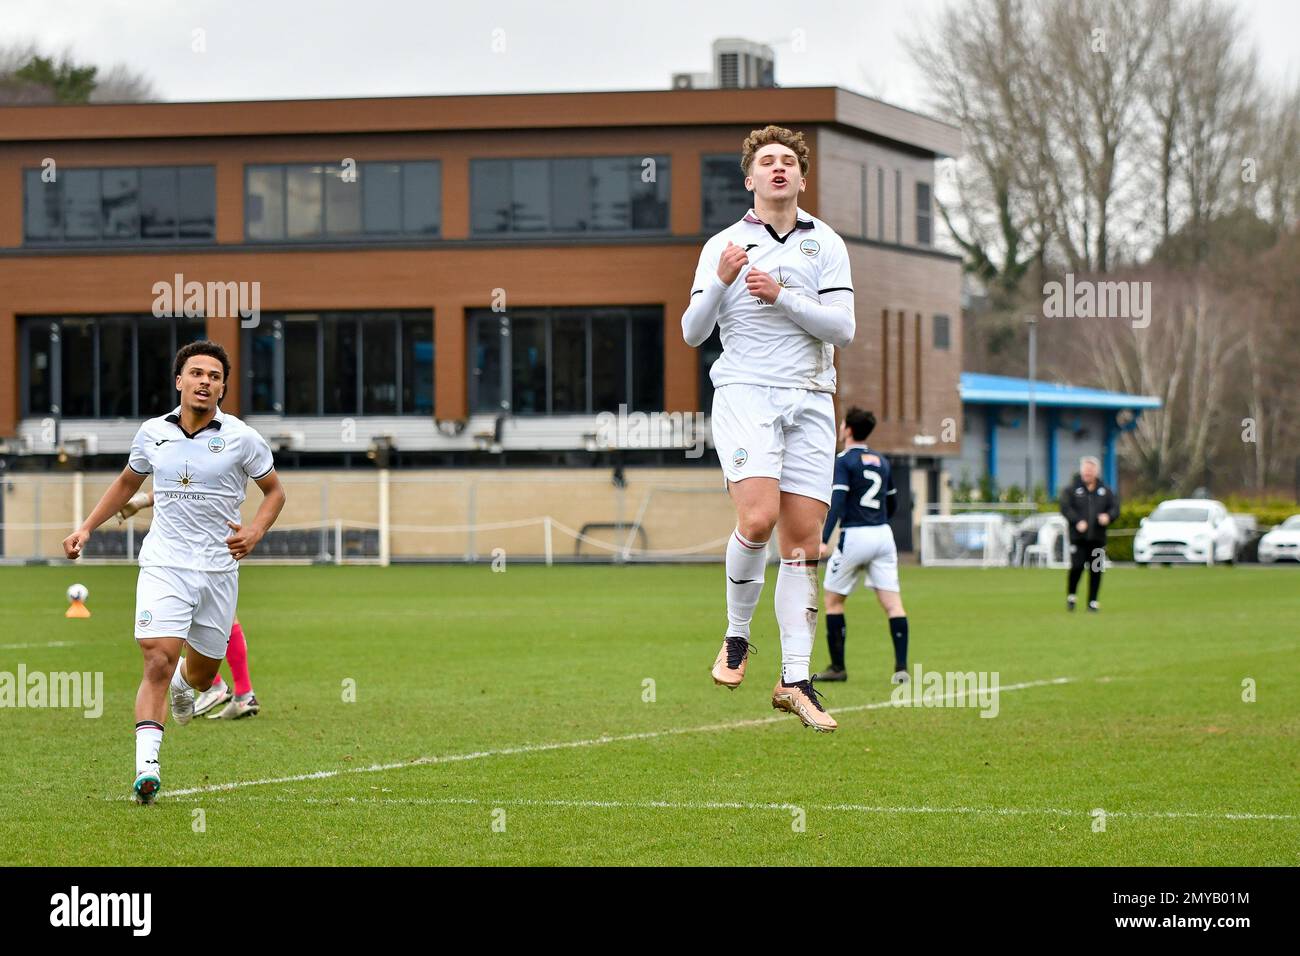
x=835 y=631
x=898 y=631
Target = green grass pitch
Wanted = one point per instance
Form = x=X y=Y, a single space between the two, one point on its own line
x=483 y=670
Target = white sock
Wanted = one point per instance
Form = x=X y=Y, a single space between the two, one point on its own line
x=796 y=613
x=746 y=564
x=178 y=679
x=148 y=740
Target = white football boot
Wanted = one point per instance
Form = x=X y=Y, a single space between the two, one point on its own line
x=214 y=696
x=237 y=708
x=182 y=705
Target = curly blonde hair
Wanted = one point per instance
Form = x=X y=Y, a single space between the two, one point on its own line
x=759 y=138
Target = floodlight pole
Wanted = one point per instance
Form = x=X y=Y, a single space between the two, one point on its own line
x=1032 y=322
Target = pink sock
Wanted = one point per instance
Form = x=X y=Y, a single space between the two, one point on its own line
x=237 y=658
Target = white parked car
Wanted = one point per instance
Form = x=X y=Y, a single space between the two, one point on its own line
x=1282 y=543
x=1187 y=531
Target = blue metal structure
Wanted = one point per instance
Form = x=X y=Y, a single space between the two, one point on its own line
x=996 y=392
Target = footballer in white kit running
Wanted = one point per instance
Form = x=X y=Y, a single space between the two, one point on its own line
x=201 y=460
x=777 y=286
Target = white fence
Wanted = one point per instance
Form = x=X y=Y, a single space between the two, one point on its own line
x=382 y=517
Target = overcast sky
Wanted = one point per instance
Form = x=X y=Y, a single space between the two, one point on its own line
x=260 y=49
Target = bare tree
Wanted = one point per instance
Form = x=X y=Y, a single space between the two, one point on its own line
x=975 y=57
x=1218 y=94
x=1095 y=54
x=1268 y=297
x=120 y=84
x=1276 y=153
x=1185 y=358
x=1162 y=89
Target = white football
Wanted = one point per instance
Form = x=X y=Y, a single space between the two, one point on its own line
x=77 y=592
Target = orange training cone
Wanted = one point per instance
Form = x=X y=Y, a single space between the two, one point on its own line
x=77 y=609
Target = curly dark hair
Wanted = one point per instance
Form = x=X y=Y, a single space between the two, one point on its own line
x=202 y=347
x=759 y=138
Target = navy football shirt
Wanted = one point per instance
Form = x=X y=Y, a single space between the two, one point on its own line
x=861 y=494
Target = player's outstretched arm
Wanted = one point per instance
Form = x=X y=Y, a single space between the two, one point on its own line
x=115 y=498
x=243 y=540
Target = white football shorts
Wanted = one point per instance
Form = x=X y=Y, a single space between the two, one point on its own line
x=761 y=431
x=868 y=548
x=196 y=606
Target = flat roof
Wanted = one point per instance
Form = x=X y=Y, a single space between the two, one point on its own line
x=978 y=388
x=793 y=106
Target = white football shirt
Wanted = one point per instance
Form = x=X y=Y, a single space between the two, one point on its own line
x=760 y=344
x=198 y=485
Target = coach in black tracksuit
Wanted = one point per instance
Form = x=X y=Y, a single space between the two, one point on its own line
x=1089 y=507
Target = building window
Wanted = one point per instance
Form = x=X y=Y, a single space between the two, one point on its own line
x=115 y=366
x=898 y=206
x=722 y=188
x=121 y=204
x=566 y=361
x=340 y=363
x=924 y=215
x=880 y=203
x=536 y=197
x=941 y=332
x=863 y=196
x=318 y=202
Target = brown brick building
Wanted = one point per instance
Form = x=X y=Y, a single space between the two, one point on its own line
x=454 y=277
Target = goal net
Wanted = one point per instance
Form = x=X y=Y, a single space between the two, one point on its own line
x=969 y=540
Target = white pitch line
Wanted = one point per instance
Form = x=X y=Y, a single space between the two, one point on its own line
x=19 y=647
x=568 y=744
x=831 y=807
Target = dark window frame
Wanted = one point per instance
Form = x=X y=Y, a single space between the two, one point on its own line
x=631 y=315
x=898 y=206
x=663 y=177
x=275 y=322
x=97 y=322
x=866 y=187
x=924 y=214
x=118 y=241
x=942 y=342
x=717 y=224
x=880 y=203
x=324 y=236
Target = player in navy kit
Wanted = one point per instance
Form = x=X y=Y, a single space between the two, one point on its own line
x=863 y=501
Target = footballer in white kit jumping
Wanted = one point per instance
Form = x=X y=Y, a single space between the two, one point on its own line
x=201 y=460
x=777 y=286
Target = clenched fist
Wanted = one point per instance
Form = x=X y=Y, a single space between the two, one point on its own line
x=242 y=542
x=762 y=286
x=733 y=259
x=73 y=544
